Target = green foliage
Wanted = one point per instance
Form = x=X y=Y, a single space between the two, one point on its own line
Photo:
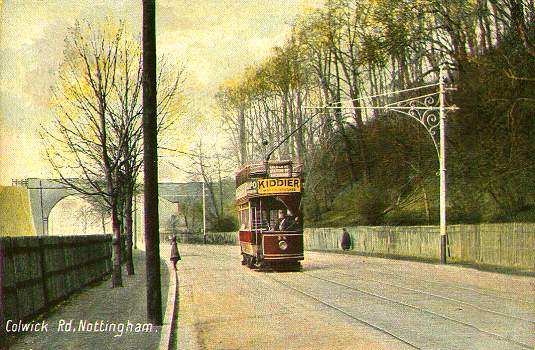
x=225 y=223
x=370 y=205
x=406 y=217
x=491 y=155
x=366 y=166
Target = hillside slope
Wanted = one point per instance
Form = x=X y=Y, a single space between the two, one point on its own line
x=15 y=213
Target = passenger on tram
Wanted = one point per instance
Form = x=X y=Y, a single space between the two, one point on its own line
x=286 y=221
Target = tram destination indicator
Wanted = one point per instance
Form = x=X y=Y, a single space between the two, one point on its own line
x=268 y=186
x=284 y=185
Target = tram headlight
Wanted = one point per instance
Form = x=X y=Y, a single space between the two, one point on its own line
x=283 y=245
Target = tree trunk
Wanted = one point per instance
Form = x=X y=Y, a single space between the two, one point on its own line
x=128 y=228
x=348 y=149
x=426 y=204
x=299 y=135
x=103 y=222
x=517 y=17
x=242 y=136
x=117 y=280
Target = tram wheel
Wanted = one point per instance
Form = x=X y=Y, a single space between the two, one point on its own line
x=243 y=259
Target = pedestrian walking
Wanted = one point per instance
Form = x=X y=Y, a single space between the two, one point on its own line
x=175 y=255
x=346 y=240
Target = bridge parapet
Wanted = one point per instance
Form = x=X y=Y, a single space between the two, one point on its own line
x=46 y=193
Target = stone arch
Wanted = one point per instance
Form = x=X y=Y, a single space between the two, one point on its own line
x=46 y=193
x=65 y=217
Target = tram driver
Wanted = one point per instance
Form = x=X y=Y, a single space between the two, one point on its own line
x=286 y=221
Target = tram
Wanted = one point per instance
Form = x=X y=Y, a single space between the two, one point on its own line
x=268 y=197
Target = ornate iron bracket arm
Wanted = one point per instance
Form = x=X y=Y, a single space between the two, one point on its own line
x=425 y=110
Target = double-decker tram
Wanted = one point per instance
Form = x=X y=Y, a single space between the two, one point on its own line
x=268 y=197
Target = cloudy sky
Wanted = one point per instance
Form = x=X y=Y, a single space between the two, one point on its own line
x=216 y=39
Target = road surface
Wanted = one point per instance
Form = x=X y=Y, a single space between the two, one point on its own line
x=352 y=302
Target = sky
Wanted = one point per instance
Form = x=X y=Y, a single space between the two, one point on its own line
x=215 y=39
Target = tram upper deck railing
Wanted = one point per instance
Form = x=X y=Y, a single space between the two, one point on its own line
x=271 y=169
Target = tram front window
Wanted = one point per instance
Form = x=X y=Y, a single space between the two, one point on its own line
x=286 y=221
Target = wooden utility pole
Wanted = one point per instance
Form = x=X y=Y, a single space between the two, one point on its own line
x=150 y=155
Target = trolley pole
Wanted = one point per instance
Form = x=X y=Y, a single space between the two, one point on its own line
x=203 y=213
x=442 y=165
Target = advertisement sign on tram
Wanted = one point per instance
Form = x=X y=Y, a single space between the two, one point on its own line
x=268 y=186
x=284 y=185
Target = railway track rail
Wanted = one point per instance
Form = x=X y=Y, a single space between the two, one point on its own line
x=336 y=308
x=438 y=296
x=392 y=333
x=378 y=296
x=401 y=309
x=482 y=292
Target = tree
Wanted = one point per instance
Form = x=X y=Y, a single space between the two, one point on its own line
x=84 y=144
x=127 y=113
x=97 y=135
x=347 y=49
x=208 y=164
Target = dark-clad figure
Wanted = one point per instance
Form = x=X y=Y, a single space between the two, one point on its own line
x=280 y=220
x=175 y=255
x=346 y=240
x=286 y=221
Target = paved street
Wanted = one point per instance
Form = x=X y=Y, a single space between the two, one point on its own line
x=351 y=302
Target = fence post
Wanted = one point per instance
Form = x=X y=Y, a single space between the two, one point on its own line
x=42 y=248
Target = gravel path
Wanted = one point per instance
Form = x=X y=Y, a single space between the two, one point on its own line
x=101 y=307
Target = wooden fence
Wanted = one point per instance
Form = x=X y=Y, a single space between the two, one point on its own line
x=506 y=245
x=39 y=272
x=222 y=238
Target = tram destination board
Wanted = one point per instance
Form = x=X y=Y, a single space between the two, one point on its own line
x=283 y=185
x=268 y=186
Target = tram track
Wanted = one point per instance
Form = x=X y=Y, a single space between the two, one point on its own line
x=402 y=311
x=484 y=292
x=397 y=275
x=336 y=308
x=488 y=293
x=340 y=310
x=438 y=297
x=495 y=335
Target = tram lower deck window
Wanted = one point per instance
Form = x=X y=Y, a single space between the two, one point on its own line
x=244 y=217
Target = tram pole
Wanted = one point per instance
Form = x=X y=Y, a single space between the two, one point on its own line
x=442 y=168
x=416 y=108
x=150 y=157
x=203 y=213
